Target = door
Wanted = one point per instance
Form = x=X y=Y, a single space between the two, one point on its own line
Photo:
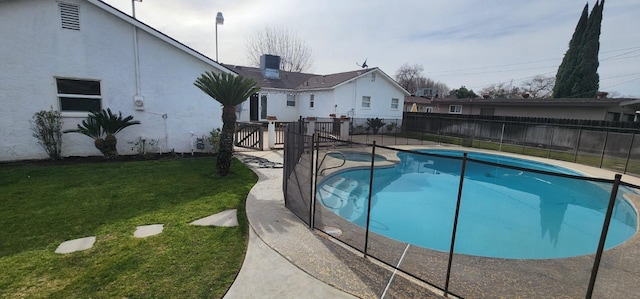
x=263 y=106
x=253 y=107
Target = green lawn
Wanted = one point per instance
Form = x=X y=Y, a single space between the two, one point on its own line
x=44 y=205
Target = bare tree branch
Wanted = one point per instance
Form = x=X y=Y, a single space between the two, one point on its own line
x=295 y=54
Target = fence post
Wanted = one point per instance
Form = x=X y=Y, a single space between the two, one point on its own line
x=455 y=225
x=626 y=164
x=501 y=137
x=313 y=178
x=373 y=160
x=550 y=144
x=604 y=147
x=272 y=131
x=603 y=235
x=575 y=155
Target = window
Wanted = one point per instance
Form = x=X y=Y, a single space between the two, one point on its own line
x=366 y=102
x=455 y=109
x=263 y=106
x=428 y=109
x=79 y=95
x=394 y=104
x=291 y=100
x=311 y=101
x=70 y=16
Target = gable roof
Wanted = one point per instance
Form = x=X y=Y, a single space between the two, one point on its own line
x=306 y=81
x=154 y=32
x=287 y=80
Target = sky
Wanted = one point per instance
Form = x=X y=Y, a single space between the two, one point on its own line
x=458 y=42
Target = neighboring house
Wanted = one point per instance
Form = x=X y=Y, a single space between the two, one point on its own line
x=419 y=104
x=592 y=109
x=359 y=94
x=78 y=56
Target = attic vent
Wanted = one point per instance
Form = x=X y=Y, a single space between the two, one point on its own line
x=70 y=16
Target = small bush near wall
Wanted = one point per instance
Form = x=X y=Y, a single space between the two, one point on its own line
x=47 y=128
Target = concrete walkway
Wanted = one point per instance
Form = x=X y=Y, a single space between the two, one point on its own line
x=265 y=273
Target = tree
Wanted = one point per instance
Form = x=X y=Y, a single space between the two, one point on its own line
x=102 y=127
x=577 y=75
x=463 y=93
x=501 y=91
x=410 y=77
x=230 y=91
x=539 y=87
x=295 y=54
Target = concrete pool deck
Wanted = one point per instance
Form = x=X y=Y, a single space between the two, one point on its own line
x=309 y=264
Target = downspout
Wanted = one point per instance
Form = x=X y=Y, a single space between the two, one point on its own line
x=138 y=100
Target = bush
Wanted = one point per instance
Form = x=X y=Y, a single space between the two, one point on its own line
x=375 y=124
x=214 y=140
x=47 y=128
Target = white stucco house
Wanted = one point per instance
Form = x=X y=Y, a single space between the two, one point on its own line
x=77 y=56
x=359 y=94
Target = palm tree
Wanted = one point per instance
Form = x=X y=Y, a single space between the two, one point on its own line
x=102 y=127
x=228 y=90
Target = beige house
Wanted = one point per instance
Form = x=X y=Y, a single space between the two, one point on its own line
x=622 y=109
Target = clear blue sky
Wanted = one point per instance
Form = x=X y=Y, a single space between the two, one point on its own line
x=459 y=42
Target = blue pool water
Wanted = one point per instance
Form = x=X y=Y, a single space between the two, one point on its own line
x=356 y=156
x=504 y=213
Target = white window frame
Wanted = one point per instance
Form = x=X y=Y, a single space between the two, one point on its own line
x=73 y=113
x=312 y=100
x=428 y=109
x=291 y=100
x=395 y=102
x=455 y=109
x=366 y=102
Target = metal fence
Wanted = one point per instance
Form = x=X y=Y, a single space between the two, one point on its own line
x=614 y=148
x=351 y=208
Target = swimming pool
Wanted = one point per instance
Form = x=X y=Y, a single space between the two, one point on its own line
x=356 y=156
x=504 y=213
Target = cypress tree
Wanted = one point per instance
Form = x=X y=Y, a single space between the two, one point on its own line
x=562 y=88
x=577 y=75
x=589 y=80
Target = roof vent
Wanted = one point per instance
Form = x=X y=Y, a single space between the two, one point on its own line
x=270 y=66
x=70 y=16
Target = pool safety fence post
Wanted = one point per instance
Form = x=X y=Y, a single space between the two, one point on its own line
x=575 y=154
x=550 y=144
x=604 y=148
x=366 y=233
x=501 y=137
x=313 y=177
x=455 y=225
x=626 y=163
x=603 y=235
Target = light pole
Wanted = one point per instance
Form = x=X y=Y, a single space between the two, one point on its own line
x=219 y=20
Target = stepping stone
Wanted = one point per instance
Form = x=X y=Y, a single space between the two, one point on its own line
x=144 y=231
x=76 y=245
x=226 y=218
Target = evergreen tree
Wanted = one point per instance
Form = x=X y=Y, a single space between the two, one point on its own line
x=577 y=75
x=562 y=88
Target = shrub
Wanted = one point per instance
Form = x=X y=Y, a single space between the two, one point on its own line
x=214 y=139
x=375 y=124
x=47 y=128
x=102 y=127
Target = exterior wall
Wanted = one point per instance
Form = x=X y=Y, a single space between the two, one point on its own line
x=36 y=50
x=349 y=96
x=323 y=104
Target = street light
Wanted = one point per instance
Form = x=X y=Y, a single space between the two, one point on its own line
x=219 y=20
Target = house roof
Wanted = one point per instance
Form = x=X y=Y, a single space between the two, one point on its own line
x=418 y=100
x=154 y=32
x=305 y=81
x=287 y=80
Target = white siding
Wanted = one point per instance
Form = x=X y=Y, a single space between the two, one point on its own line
x=36 y=50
